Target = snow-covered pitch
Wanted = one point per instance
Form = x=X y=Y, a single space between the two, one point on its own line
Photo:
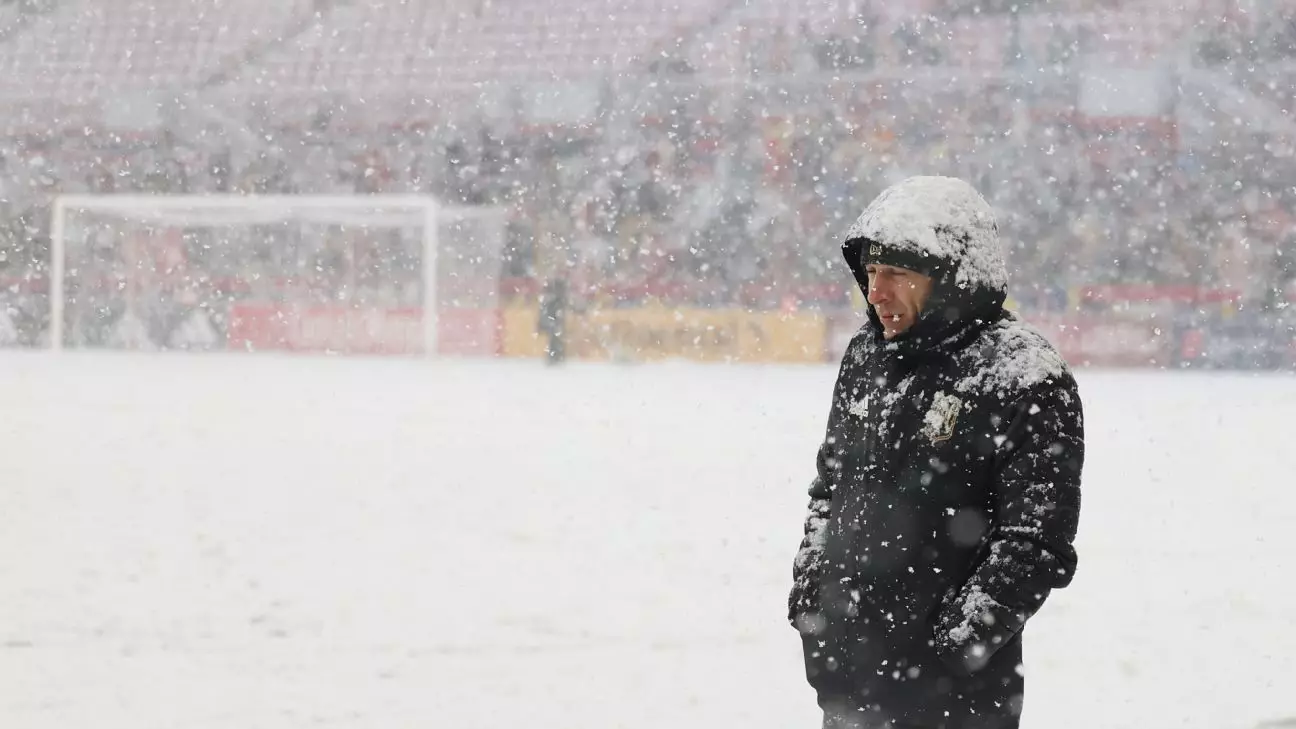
x=282 y=542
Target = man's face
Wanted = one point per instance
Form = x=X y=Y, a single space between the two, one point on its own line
x=897 y=295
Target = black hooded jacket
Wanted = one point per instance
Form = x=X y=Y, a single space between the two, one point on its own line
x=947 y=493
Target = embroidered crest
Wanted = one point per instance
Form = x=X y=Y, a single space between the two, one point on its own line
x=875 y=250
x=939 y=422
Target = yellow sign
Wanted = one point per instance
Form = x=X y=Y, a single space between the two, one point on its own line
x=659 y=333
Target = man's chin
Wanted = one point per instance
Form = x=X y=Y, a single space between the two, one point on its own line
x=893 y=332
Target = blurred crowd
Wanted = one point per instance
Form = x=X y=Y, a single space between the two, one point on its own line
x=718 y=194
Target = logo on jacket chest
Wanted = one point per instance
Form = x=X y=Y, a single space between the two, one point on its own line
x=941 y=418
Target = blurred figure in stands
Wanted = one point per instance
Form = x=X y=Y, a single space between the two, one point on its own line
x=553 y=319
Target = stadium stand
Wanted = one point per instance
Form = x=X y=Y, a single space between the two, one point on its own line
x=416 y=48
x=721 y=146
x=90 y=50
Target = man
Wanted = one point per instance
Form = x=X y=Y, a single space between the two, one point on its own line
x=948 y=487
x=553 y=319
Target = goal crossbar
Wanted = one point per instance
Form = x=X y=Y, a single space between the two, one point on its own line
x=127 y=202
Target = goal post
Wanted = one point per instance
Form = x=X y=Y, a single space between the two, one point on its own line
x=378 y=274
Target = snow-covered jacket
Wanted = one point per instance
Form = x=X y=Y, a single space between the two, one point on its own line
x=947 y=493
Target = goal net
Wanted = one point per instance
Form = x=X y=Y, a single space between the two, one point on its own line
x=381 y=274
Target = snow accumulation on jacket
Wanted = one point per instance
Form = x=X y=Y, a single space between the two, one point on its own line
x=947 y=493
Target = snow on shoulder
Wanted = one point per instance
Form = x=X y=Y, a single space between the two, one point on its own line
x=862 y=345
x=1008 y=358
x=941 y=216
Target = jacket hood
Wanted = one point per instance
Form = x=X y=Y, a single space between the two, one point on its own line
x=942 y=227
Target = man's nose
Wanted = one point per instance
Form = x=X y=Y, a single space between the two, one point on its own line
x=878 y=292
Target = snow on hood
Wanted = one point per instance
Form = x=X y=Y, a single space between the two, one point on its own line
x=940 y=217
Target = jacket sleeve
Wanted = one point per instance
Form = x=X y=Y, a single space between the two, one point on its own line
x=1029 y=551
x=807 y=566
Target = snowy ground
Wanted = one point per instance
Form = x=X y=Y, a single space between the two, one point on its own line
x=244 y=541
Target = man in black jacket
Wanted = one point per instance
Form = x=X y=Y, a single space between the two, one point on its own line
x=947 y=494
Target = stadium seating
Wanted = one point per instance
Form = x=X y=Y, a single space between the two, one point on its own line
x=91 y=51
x=701 y=196
x=408 y=49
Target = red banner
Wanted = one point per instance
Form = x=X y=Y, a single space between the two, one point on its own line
x=394 y=331
x=1108 y=341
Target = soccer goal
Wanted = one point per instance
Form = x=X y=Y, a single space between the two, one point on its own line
x=376 y=274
